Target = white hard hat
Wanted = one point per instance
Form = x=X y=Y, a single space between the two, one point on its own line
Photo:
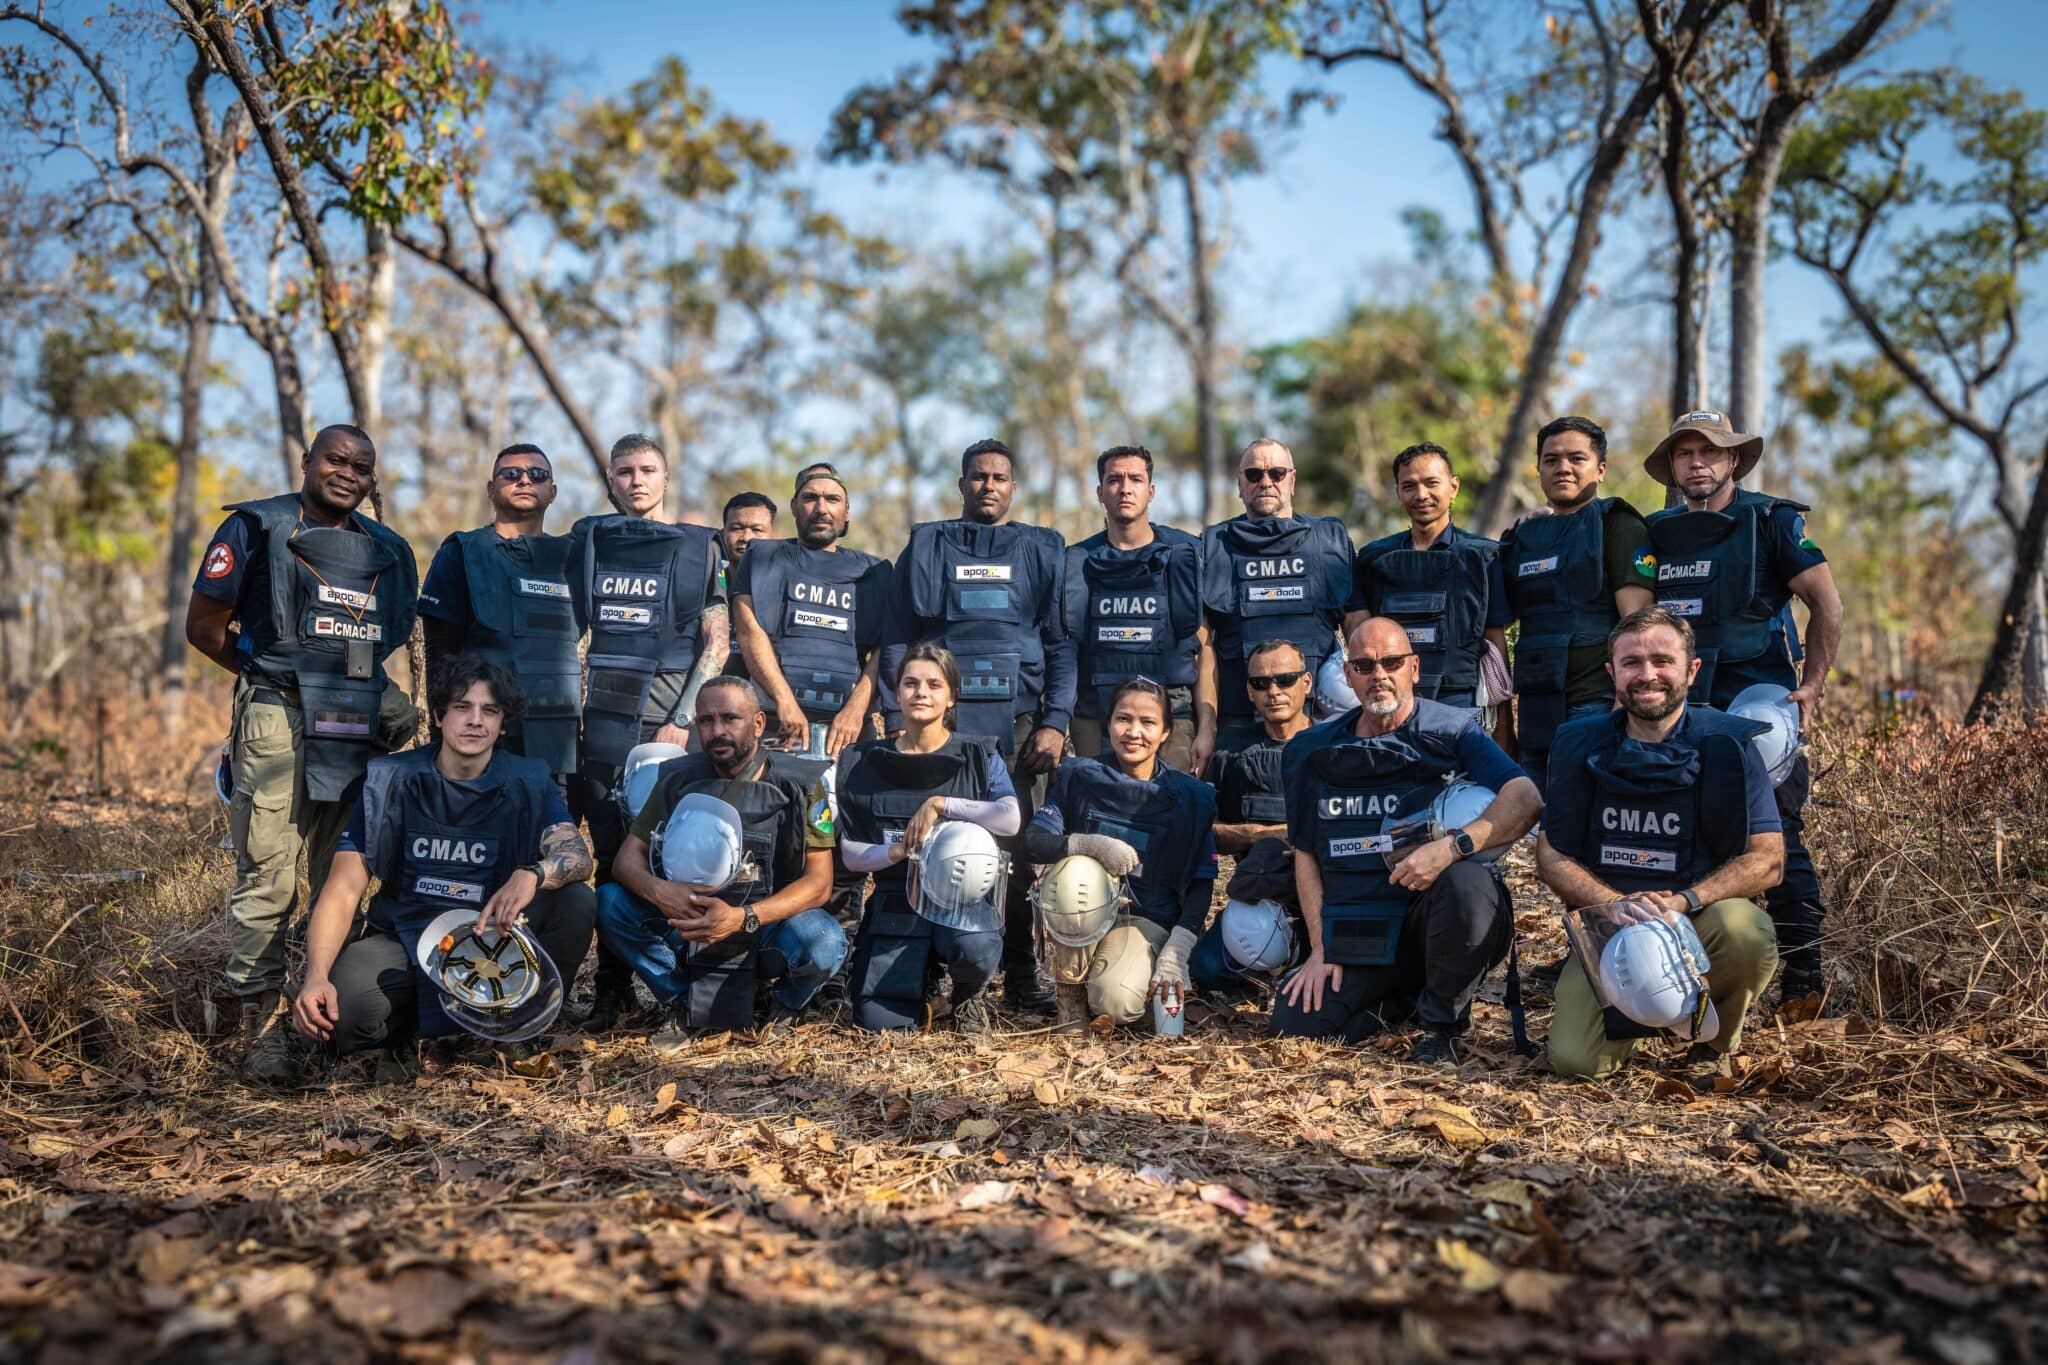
x=701 y=845
x=1458 y=805
x=224 y=774
x=1333 y=695
x=1257 y=935
x=501 y=986
x=1779 y=745
x=636 y=779
x=1655 y=972
x=960 y=877
x=1077 y=901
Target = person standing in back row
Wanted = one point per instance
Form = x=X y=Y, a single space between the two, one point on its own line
x=651 y=596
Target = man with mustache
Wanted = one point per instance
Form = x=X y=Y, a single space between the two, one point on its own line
x=1660 y=808
x=320 y=596
x=1730 y=562
x=1396 y=927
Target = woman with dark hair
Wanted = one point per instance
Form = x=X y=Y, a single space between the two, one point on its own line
x=892 y=794
x=1149 y=824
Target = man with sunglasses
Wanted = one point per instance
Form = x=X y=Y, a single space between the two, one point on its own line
x=1268 y=574
x=1134 y=608
x=1400 y=920
x=501 y=592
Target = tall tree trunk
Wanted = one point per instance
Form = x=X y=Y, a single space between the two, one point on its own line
x=184 y=523
x=380 y=274
x=2004 y=680
x=1208 y=424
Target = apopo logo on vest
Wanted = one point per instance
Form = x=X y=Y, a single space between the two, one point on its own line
x=541 y=587
x=1353 y=848
x=1531 y=567
x=818 y=620
x=981 y=573
x=330 y=596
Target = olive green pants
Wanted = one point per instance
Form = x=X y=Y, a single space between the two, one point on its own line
x=1742 y=945
x=272 y=822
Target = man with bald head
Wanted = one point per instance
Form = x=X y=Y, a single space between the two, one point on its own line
x=1402 y=920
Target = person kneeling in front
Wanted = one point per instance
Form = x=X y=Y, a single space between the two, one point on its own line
x=458 y=825
x=1660 y=809
x=1402 y=917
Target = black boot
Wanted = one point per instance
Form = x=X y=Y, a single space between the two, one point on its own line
x=1025 y=993
x=1433 y=1047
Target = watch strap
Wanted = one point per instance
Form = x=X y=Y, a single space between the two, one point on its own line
x=1693 y=903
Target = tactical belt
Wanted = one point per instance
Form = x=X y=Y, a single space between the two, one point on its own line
x=272 y=695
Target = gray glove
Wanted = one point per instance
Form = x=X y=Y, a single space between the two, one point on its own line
x=1118 y=858
x=1172 y=967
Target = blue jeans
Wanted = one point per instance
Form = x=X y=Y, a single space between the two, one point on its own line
x=799 y=953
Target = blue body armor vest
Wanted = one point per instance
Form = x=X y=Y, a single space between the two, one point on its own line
x=1267 y=578
x=1554 y=571
x=1439 y=596
x=1248 y=790
x=520 y=615
x=1708 y=571
x=1133 y=612
x=1166 y=820
x=822 y=610
x=641 y=588
x=331 y=588
x=981 y=591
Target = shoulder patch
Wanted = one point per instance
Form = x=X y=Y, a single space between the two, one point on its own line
x=821 y=816
x=220 y=560
x=1646 y=565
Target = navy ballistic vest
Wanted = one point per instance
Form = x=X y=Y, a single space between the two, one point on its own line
x=640 y=587
x=1248 y=790
x=981 y=591
x=822 y=611
x=1439 y=596
x=1662 y=816
x=1351 y=788
x=520 y=615
x=1166 y=820
x=1708 y=571
x=1555 y=575
x=773 y=806
x=331 y=588
x=1268 y=578
x=1133 y=612
x=437 y=845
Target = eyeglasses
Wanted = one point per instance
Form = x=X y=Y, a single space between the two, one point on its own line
x=513 y=473
x=1266 y=682
x=1365 y=665
x=1263 y=474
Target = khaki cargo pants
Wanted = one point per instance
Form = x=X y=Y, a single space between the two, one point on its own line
x=272 y=822
x=1117 y=971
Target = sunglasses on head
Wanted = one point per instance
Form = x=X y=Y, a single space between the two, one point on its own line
x=1365 y=665
x=1266 y=682
x=1263 y=475
x=514 y=473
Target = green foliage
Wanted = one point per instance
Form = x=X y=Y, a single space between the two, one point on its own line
x=99 y=389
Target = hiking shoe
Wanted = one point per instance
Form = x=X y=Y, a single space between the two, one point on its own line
x=1546 y=975
x=972 y=1015
x=606 y=1010
x=1026 y=994
x=1434 y=1048
x=1702 y=1066
x=1073 y=1008
x=266 y=1040
x=674 y=1036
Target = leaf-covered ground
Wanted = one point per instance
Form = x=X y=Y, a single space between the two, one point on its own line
x=1861 y=1192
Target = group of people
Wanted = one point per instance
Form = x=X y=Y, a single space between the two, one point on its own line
x=1001 y=768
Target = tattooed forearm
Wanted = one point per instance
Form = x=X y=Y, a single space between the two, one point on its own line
x=564 y=857
x=714 y=634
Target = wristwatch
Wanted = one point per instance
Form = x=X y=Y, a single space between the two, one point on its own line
x=540 y=874
x=1693 y=903
x=749 y=921
x=1461 y=844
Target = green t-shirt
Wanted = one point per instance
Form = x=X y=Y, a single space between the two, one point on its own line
x=1628 y=566
x=820 y=826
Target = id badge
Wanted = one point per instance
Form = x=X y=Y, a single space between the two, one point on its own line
x=360 y=661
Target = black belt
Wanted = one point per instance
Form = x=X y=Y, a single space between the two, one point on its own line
x=274 y=696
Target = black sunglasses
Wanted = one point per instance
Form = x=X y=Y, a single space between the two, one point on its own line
x=513 y=473
x=1263 y=475
x=1365 y=665
x=1266 y=682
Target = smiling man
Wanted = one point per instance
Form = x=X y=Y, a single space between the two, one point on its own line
x=320 y=596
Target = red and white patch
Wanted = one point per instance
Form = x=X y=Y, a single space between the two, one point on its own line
x=220 y=560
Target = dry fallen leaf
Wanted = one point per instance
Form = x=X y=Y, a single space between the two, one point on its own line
x=420 y=1300
x=1476 y=1274
x=988 y=1194
x=1535 y=1291
x=1454 y=1123
x=977 y=1130
x=617 y=1117
x=664 y=1100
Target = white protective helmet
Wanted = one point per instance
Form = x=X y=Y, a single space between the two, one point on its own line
x=960 y=877
x=1077 y=901
x=1779 y=745
x=636 y=779
x=224 y=774
x=1655 y=972
x=1257 y=935
x=1333 y=695
x=1458 y=805
x=702 y=844
x=501 y=986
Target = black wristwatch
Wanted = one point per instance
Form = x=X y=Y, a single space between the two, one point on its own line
x=540 y=875
x=749 y=921
x=1461 y=844
x=1693 y=903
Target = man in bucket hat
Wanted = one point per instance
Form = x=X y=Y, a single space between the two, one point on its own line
x=1728 y=562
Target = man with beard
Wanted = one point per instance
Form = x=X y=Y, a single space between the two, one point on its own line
x=991 y=591
x=807 y=614
x=1730 y=562
x=1134 y=607
x=1438 y=581
x=652 y=597
x=1570 y=572
x=320 y=595
x=1267 y=575
x=703 y=952
x=502 y=592
x=1395 y=927
x=1660 y=809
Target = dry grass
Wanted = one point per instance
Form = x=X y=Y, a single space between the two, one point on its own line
x=1869 y=1185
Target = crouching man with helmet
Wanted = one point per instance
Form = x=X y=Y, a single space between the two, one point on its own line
x=732 y=897
x=1132 y=818
x=1402 y=915
x=1659 y=813
x=466 y=840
